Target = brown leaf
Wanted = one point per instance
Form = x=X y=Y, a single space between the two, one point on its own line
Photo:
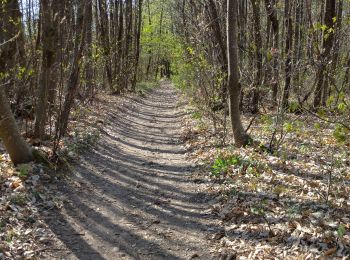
x=330 y=251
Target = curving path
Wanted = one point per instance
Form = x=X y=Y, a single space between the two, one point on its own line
x=132 y=196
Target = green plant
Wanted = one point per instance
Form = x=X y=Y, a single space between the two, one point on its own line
x=279 y=189
x=294 y=107
x=293 y=210
x=257 y=209
x=340 y=133
x=221 y=164
x=197 y=115
x=341 y=231
x=20 y=199
x=23 y=171
x=305 y=148
x=260 y=209
x=80 y=142
x=267 y=122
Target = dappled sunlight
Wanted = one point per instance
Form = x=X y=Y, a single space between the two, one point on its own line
x=133 y=190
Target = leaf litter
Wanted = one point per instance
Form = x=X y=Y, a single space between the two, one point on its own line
x=292 y=204
x=29 y=192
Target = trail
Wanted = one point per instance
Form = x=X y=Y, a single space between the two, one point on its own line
x=132 y=196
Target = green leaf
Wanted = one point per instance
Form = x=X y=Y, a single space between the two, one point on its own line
x=288 y=127
x=342 y=107
x=340 y=133
x=341 y=231
x=330 y=101
x=293 y=106
x=317 y=126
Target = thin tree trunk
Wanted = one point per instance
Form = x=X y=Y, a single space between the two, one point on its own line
x=328 y=38
x=137 y=43
x=105 y=41
x=48 y=58
x=258 y=56
x=297 y=42
x=89 y=72
x=73 y=81
x=272 y=14
x=120 y=60
x=128 y=44
x=288 y=55
x=234 y=87
x=219 y=39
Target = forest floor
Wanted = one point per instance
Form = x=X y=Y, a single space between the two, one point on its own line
x=147 y=177
x=131 y=196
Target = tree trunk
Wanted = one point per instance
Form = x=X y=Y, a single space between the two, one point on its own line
x=137 y=44
x=48 y=58
x=258 y=55
x=105 y=41
x=328 y=38
x=219 y=39
x=234 y=87
x=120 y=60
x=288 y=52
x=14 y=143
x=272 y=14
x=73 y=81
x=89 y=70
x=128 y=43
x=297 y=43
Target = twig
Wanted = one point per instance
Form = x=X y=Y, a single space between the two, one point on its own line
x=326 y=120
x=251 y=122
x=268 y=224
x=10 y=40
x=329 y=179
x=48 y=248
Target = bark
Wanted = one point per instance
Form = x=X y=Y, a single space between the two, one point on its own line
x=272 y=15
x=120 y=61
x=234 y=88
x=150 y=58
x=258 y=56
x=219 y=39
x=12 y=41
x=105 y=41
x=288 y=55
x=216 y=28
x=137 y=44
x=15 y=145
x=73 y=81
x=242 y=25
x=89 y=71
x=328 y=38
x=297 y=42
x=115 y=40
x=48 y=58
x=128 y=44
x=334 y=60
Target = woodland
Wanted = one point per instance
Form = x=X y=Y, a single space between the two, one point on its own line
x=174 y=129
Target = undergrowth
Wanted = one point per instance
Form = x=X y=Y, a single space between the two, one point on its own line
x=227 y=164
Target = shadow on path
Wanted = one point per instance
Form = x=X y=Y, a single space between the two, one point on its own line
x=131 y=197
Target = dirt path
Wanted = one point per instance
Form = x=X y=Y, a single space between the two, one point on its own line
x=132 y=197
